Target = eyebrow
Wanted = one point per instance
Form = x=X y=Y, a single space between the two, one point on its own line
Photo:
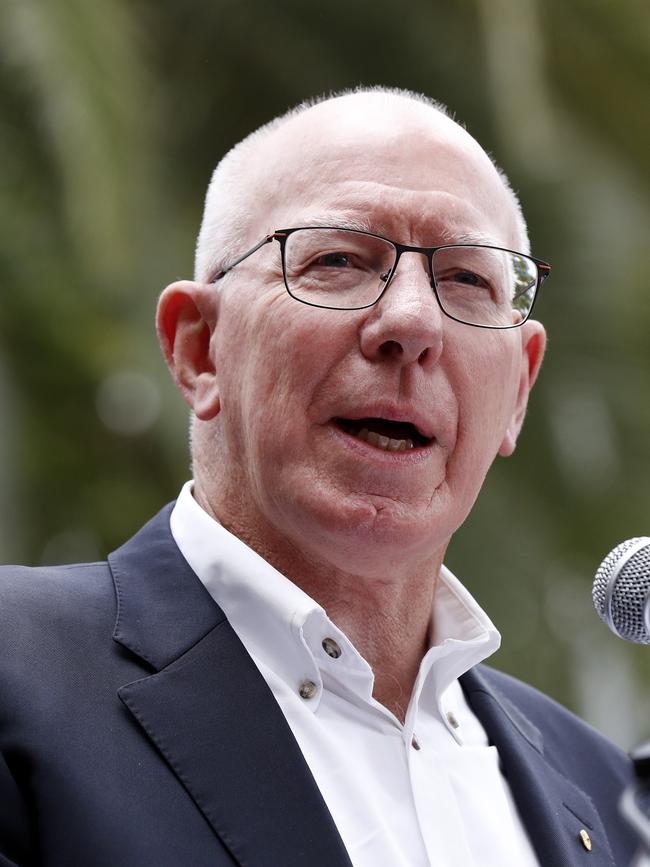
x=328 y=221
x=451 y=237
x=447 y=236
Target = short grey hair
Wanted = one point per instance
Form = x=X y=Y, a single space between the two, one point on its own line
x=229 y=199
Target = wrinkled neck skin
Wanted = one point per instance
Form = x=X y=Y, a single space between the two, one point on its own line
x=385 y=612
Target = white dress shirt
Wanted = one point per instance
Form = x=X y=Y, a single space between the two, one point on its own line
x=426 y=793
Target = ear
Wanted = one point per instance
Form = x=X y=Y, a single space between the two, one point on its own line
x=533 y=340
x=186 y=319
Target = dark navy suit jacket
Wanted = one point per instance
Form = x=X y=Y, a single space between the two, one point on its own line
x=135 y=730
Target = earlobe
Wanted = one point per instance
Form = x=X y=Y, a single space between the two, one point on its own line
x=533 y=338
x=185 y=321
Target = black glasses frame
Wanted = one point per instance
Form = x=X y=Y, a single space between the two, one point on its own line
x=281 y=235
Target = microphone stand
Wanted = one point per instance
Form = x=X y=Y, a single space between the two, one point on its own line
x=635 y=803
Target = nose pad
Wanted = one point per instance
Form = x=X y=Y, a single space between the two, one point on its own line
x=386 y=276
x=432 y=282
x=383 y=282
x=406 y=324
x=429 y=269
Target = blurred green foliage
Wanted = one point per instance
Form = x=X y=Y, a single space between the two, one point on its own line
x=113 y=116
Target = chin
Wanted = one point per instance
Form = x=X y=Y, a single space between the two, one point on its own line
x=359 y=530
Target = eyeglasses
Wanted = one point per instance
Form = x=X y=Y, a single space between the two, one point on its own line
x=346 y=269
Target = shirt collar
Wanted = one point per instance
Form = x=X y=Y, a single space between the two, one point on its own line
x=283 y=626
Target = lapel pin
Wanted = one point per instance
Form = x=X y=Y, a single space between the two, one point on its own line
x=586 y=840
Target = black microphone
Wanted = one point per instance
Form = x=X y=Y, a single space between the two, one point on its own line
x=621 y=590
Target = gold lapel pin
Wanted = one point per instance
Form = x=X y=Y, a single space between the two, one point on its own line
x=586 y=840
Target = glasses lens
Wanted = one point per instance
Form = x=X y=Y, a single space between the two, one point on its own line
x=484 y=285
x=337 y=268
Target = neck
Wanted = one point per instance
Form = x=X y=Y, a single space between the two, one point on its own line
x=388 y=622
x=386 y=613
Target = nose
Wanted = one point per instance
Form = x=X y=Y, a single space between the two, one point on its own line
x=406 y=323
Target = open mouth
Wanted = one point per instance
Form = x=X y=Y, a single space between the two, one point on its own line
x=383 y=433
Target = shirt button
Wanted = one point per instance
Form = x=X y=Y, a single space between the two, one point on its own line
x=331 y=648
x=451 y=719
x=415 y=744
x=308 y=689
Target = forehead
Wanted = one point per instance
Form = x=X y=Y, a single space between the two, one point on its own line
x=391 y=164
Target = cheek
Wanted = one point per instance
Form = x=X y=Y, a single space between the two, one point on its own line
x=271 y=362
x=487 y=388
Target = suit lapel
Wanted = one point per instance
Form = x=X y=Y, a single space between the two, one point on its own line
x=552 y=808
x=211 y=715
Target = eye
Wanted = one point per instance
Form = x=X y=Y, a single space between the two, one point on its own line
x=337 y=259
x=468 y=278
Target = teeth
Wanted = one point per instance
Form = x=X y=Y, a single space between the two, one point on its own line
x=382 y=442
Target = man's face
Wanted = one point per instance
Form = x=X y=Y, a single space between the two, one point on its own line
x=295 y=381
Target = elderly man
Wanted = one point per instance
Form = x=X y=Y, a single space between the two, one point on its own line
x=278 y=670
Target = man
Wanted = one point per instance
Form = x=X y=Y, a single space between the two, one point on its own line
x=268 y=673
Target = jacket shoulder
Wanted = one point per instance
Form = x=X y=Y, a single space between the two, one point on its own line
x=34 y=585
x=546 y=711
x=38 y=604
x=573 y=745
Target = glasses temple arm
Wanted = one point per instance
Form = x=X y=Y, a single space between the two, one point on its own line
x=250 y=252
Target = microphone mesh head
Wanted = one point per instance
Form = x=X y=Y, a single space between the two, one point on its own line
x=622 y=587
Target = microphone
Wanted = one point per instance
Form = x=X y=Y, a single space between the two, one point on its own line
x=621 y=594
x=621 y=590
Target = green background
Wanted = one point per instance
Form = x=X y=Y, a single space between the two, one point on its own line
x=113 y=116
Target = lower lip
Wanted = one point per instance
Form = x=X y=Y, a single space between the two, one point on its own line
x=409 y=456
